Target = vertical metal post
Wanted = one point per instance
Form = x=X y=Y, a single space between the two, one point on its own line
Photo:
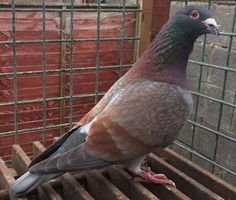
x=44 y=71
x=62 y=73
x=97 y=51
x=14 y=70
x=139 y=4
x=122 y=35
x=199 y=89
x=71 y=61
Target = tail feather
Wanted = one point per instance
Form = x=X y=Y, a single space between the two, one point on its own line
x=28 y=182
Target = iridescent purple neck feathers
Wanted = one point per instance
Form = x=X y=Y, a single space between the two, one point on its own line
x=166 y=58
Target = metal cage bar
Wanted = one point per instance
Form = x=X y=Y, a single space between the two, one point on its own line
x=122 y=35
x=14 y=70
x=67 y=67
x=224 y=86
x=44 y=71
x=71 y=62
x=97 y=52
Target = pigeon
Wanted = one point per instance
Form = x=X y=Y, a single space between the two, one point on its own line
x=142 y=112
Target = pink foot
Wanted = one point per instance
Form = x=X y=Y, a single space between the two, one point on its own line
x=150 y=177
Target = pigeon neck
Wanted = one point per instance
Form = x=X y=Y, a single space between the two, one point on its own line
x=171 y=46
x=167 y=56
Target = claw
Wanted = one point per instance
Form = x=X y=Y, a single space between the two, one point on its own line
x=150 y=177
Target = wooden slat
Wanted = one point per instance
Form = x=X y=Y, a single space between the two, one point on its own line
x=72 y=189
x=165 y=193
x=55 y=139
x=4 y=194
x=161 y=10
x=20 y=160
x=135 y=190
x=101 y=188
x=6 y=179
x=186 y=184
x=37 y=148
x=40 y=194
x=146 y=24
x=5 y=176
x=199 y=174
x=115 y=183
x=131 y=189
x=45 y=191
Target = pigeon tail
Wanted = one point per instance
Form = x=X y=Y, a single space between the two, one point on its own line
x=28 y=182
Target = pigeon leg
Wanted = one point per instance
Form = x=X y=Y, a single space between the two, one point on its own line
x=143 y=173
x=147 y=175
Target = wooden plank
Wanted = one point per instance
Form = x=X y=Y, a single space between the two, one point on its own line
x=146 y=25
x=101 y=188
x=135 y=190
x=155 y=14
x=46 y=191
x=161 y=9
x=37 y=148
x=40 y=194
x=184 y=183
x=72 y=189
x=4 y=194
x=20 y=160
x=199 y=174
x=123 y=181
x=165 y=193
x=6 y=179
x=55 y=139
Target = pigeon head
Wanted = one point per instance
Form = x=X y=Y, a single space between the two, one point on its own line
x=194 y=21
x=167 y=56
x=175 y=41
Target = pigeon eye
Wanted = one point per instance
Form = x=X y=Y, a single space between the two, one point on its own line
x=194 y=14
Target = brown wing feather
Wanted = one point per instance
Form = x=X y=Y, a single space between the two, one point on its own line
x=109 y=141
x=98 y=108
x=143 y=116
x=86 y=119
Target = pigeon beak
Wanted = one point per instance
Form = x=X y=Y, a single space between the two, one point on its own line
x=212 y=26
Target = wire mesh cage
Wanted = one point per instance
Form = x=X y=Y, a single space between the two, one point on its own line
x=211 y=75
x=58 y=58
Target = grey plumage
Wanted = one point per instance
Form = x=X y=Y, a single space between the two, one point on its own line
x=29 y=181
x=143 y=111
